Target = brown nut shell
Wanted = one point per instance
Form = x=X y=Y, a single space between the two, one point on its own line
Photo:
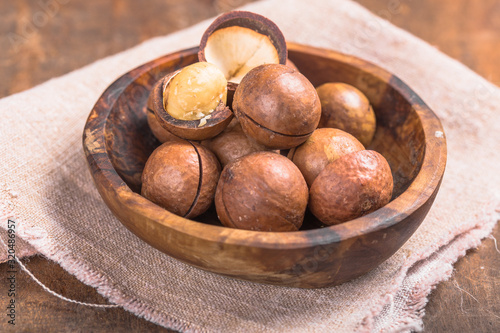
x=345 y=107
x=232 y=144
x=351 y=186
x=277 y=106
x=188 y=129
x=181 y=177
x=324 y=146
x=158 y=131
x=262 y=191
x=243 y=38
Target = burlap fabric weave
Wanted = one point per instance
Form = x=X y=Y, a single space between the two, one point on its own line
x=46 y=187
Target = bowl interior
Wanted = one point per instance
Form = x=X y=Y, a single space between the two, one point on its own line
x=399 y=136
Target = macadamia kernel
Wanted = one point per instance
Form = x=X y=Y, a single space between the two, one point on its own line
x=195 y=91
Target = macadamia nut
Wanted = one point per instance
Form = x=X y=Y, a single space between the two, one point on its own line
x=324 y=146
x=181 y=177
x=277 y=106
x=262 y=191
x=195 y=91
x=345 y=107
x=351 y=186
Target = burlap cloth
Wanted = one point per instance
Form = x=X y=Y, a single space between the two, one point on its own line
x=46 y=187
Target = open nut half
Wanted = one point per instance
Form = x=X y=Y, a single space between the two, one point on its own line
x=238 y=41
x=192 y=126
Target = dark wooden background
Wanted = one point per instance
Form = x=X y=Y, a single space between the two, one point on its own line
x=41 y=39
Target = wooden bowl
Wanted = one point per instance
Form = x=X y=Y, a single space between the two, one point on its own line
x=117 y=142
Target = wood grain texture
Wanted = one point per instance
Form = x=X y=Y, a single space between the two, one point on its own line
x=42 y=39
x=466 y=30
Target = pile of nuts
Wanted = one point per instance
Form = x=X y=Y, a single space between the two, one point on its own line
x=244 y=129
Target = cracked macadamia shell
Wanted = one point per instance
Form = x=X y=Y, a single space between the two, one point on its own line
x=197 y=129
x=181 y=177
x=262 y=191
x=345 y=107
x=277 y=106
x=325 y=145
x=238 y=41
x=158 y=131
x=195 y=91
x=351 y=186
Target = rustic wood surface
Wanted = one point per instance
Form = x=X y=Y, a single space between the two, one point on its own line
x=43 y=39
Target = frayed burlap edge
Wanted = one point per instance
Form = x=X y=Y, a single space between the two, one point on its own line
x=23 y=248
x=448 y=250
x=79 y=269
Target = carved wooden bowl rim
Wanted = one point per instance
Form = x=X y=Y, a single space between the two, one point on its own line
x=418 y=193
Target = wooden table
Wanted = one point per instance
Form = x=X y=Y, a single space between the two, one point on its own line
x=43 y=39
